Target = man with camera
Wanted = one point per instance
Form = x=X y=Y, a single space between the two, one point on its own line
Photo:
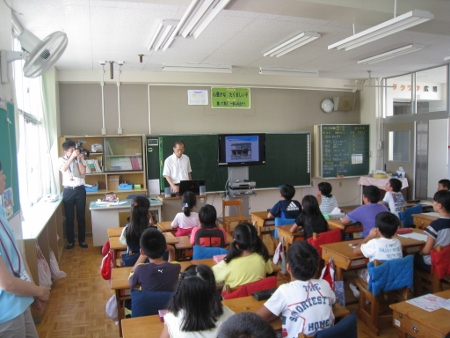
x=73 y=168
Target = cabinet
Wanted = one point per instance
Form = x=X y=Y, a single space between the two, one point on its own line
x=119 y=159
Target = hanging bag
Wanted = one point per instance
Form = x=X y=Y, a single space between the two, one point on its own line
x=45 y=275
x=106 y=266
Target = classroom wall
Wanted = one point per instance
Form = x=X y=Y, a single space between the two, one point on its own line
x=272 y=110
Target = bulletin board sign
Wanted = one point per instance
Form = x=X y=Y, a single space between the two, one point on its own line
x=231 y=98
x=197 y=97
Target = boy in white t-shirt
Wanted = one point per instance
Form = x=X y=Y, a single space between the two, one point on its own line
x=304 y=304
x=394 y=198
x=379 y=244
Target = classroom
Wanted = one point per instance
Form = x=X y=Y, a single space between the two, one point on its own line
x=113 y=84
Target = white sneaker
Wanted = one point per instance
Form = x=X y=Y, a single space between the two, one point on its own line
x=354 y=290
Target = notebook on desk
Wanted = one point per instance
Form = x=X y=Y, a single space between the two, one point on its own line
x=190 y=185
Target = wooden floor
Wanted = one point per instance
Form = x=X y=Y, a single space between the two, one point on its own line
x=77 y=303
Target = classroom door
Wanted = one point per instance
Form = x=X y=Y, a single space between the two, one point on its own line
x=399 y=150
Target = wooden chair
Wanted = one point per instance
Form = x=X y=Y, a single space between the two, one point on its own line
x=346 y=327
x=439 y=278
x=227 y=220
x=247 y=289
x=389 y=282
x=328 y=237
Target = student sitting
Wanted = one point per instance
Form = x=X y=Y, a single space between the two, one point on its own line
x=366 y=213
x=195 y=309
x=311 y=219
x=247 y=259
x=187 y=220
x=438 y=232
x=246 y=325
x=208 y=234
x=157 y=275
x=286 y=207
x=444 y=184
x=140 y=220
x=327 y=202
x=379 y=244
x=304 y=304
x=394 y=198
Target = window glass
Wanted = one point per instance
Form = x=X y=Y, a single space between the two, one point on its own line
x=398 y=95
x=431 y=90
x=399 y=146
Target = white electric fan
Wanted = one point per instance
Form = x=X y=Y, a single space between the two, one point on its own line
x=39 y=55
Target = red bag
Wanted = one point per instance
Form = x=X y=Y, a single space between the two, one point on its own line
x=328 y=273
x=106 y=247
x=106 y=266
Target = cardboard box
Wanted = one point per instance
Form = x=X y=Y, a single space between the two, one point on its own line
x=113 y=182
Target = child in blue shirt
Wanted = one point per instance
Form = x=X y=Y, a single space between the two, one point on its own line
x=286 y=207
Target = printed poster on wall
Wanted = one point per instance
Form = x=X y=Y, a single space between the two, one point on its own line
x=232 y=98
x=197 y=97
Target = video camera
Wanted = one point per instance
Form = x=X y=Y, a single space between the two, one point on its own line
x=81 y=149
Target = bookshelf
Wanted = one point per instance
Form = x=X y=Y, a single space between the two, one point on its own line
x=119 y=159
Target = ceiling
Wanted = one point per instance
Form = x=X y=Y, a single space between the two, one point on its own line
x=119 y=30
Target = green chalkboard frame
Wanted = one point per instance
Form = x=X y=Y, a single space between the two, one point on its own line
x=288 y=160
x=344 y=149
x=8 y=153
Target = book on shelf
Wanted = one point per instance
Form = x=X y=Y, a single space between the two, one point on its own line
x=92 y=166
x=136 y=163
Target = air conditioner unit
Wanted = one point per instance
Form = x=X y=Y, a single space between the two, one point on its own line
x=343 y=103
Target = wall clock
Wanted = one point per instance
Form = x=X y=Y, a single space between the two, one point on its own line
x=327 y=105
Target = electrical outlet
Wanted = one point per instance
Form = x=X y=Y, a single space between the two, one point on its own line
x=119 y=131
x=103 y=131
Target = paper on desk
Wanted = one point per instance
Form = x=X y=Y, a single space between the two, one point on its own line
x=111 y=203
x=429 y=302
x=415 y=235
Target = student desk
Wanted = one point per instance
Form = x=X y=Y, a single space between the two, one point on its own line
x=121 y=287
x=412 y=320
x=165 y=226
x=151 y=327
x=424 y=220
x=183 y=249
x=264 y=225
x=114 y=232
x=345 y=259
x=289 y=238
x=346 y=229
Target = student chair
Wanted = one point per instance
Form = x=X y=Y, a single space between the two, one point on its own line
x=282 y=221
x=327 y=237
x=145 y=303
x=406 y=215
x=389 y=282
x=247 y=289
x=439 y=278
x=346 y=327
x=227 y=220
x=204 y=252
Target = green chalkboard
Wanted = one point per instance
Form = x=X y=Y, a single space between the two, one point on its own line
x=288 y=160
x=343 y=149
x=9 y=160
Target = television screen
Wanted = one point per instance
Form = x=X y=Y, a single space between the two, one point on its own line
x=242 y=149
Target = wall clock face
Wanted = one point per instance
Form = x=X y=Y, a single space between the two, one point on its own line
x=327 y=105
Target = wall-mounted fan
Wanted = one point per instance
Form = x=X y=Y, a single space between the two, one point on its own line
x=360 y=84
x=39 y=55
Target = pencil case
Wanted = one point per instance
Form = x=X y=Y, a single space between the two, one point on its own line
x=264 y=294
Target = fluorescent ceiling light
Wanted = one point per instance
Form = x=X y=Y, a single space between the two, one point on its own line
x=384 y=29
x=198 y=68
x=414 y=47
x=198 y=16
x=162 y=32
x=293 y=43
x=288 y=71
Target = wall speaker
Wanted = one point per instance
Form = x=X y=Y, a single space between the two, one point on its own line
x=344 y=103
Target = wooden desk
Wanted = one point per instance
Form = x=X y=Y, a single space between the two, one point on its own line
x=289 y=238
x=412 y=320
x=210 y=262
x=183 y=249
x=345 y=259
x=263 y=224
x=346 y=229
x=166 y=226
x=114 y=232
x=151 y=327
x=424 y=220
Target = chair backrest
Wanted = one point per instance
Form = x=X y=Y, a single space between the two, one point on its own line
x=145 y=303
x=406 y=215
x=247 y=289
x=440 y=261
x=327 y=237
x=204 y=252
x=346 y=327
x=391 y=275
x=237 y=203
x=282 y=221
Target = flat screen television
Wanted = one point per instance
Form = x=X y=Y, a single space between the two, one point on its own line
x=242 y=149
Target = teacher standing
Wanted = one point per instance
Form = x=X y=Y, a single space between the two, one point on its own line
x=177 y=167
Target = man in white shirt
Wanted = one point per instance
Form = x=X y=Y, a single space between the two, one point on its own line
x=177 y=167
x=73 y=168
